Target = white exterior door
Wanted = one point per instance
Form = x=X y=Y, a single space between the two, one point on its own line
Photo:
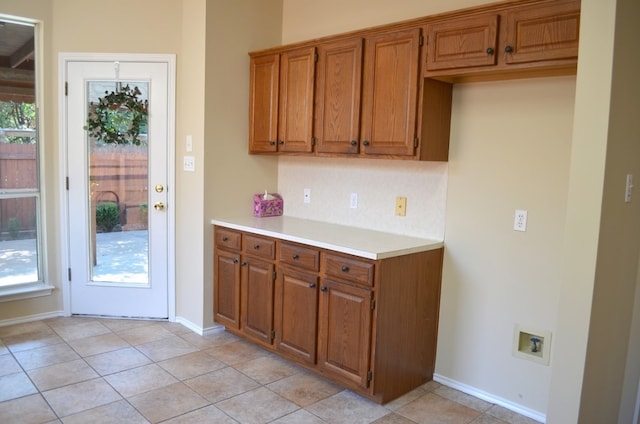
x=120 y=221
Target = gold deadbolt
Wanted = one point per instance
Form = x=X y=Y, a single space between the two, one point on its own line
x=158 y=206
x=159 y=188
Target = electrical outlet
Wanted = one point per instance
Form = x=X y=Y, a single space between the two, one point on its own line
x=189 y=163
x=520 y=220
x=307 y=195
x=628 y=188
x=353 y=201
x=401 y=206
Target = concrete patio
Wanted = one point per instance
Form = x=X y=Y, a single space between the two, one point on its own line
x=121 y=256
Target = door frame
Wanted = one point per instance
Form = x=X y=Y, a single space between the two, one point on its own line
x=170 y=60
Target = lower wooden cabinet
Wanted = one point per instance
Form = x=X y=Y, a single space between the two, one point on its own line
x=369 y=325
x=256 y=291
x=345 y=332
x=296 y=314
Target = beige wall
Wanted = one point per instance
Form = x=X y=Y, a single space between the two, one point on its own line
x=619 y=237
x=190 y=117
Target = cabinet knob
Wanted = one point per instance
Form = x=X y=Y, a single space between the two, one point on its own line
x=235 y=260
x=272 y=143
x=490 y=50
x=366 y=142
x=508 y=49
x=345 y=268
x=225 y=238
x=354 y=142
x=323 y=288
x=243 y=264
x=280 y=142
x=295 y=256
x=256 y=246
x=312 y=285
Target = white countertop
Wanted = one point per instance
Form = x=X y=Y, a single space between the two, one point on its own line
x=355 y=241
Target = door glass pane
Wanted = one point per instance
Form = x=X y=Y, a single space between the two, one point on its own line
x=18 y=241
x=118 y=181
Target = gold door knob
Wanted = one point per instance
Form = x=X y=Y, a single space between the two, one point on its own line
x=159 y=188
x=158 y=206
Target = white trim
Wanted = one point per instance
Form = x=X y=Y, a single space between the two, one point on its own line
x=636 y=413
x=30 y=318
x=25 y=292
x=480 y=394
x=197 y=329
x=170 y=60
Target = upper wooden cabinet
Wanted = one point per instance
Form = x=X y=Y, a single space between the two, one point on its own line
x=281 y=101
x=461 y=43
x=338 y=90
x=263 y=103
x=533 y=36
x=390 y=93
x=385 y=92
x=536 y=34
x=367 y=95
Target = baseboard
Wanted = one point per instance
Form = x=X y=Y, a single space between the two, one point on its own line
x=29 y=318
x=480 y=394
x=197 y=329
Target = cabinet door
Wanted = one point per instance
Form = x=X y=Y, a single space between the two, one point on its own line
x=339 y=82
x=461 y=43
x=297 y=78
x=226 y=289
x=549 y=32
x=345 y=331
x=263 y=103
x=389 y=93
x=296 y=314
x=257 y=300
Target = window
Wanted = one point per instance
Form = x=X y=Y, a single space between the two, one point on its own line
x=20 y=230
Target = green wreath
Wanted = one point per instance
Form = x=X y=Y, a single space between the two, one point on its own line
x=118 y=117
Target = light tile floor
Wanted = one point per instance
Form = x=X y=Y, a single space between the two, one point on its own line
x=89 y=370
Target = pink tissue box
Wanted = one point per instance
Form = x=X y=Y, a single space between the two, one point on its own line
x=271 y=207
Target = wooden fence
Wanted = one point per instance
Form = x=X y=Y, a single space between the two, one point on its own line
x=116 y=175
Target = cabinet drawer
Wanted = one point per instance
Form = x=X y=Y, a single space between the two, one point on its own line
x=227 y=238
x=354 y=270
x=300 y=256
x=259 y=246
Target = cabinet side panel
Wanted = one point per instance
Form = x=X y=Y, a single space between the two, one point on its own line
x=407 y=311
x=436 y=120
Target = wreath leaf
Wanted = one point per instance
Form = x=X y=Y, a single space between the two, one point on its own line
x=118 y=117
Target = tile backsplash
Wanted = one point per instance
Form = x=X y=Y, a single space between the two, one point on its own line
x=377 y=184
